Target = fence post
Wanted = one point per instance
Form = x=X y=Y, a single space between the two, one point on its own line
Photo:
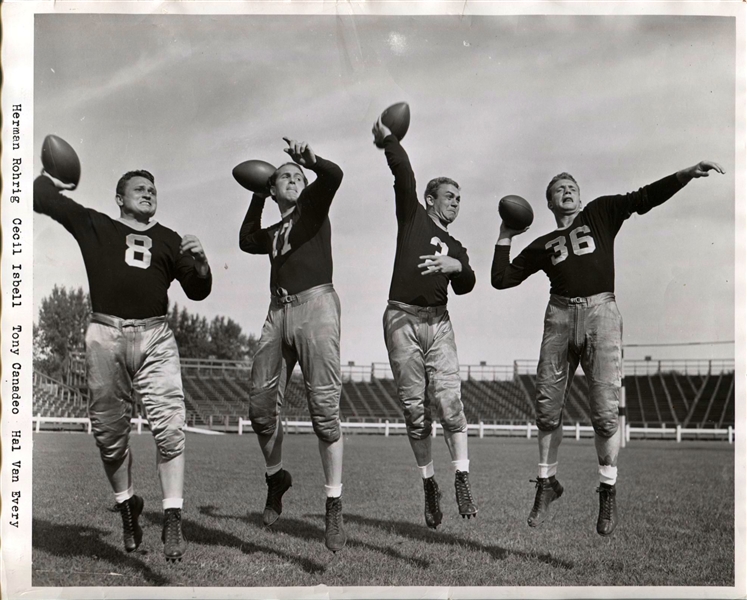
x=89 y=426
x=386 y=426
x=678 y=435
x=578 y=431
x=529 y=430
x=241 y=426
x=731 y=434
x=482 y=430
x=38 y=423
x=626 y=437
x=139 y=425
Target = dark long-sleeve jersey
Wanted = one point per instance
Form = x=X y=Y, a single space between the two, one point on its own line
x=129 y=270
x=418 y=235
x=580 y=259
x=300 y=245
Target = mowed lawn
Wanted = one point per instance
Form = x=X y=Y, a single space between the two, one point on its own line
x=676 y=505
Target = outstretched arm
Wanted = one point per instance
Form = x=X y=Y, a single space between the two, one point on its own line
x=700 y=170
x=405 y=192
x=252 y=238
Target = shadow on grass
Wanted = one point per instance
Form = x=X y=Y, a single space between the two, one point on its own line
x=306 y=531
x=422 y=534
x=71 y=541
x=199 y=534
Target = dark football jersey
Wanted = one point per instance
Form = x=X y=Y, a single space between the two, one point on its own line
x=418 y=235
x=580 y=259
x=300 y=245
x=129 y=270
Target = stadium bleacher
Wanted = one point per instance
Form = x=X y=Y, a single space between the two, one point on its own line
x=216 y=395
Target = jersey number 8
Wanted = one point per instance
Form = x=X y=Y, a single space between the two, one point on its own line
x=138 y=251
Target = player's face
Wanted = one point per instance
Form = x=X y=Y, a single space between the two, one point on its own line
x=289 y=184
x=445 y=204
x=139 y=199
x=565 y=197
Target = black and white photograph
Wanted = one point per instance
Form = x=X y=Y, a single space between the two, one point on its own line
x=373 y=300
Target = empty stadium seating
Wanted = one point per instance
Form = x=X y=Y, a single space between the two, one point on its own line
x=216 y=395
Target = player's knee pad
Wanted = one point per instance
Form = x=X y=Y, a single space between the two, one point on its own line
x=170 y=442
x=327 y=430
x=264 y=425
x=605 y=425
x=420 y=430
x=111 y=438
x=548 y=423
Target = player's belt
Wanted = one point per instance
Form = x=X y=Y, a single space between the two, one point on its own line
x=118 y=323
x=594 y=300
x=419 y=311
x=301 y=297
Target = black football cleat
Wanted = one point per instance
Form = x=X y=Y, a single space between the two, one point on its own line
x=174 y=544
x=433 y=514
x=277 y=485
x=607 y=520
x=334 y=533
x=130 y=510
x=465 y=502
x=548 y=490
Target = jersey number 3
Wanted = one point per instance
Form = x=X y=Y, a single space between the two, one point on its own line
x=138 y=251
x=580 y=242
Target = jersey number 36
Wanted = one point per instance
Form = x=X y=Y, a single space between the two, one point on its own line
x=581 y=242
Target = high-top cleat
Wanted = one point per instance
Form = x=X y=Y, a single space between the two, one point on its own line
x=130 y=510
x=465 y=502
x=433 y=514
x=548 y=490
x=277 y=485
x=174 y=544
x=334 y=534
x=607 y=520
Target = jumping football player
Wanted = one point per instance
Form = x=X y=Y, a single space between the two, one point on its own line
x=417 y=328
x=582 y=322
x=302 y=325
x=130 y=349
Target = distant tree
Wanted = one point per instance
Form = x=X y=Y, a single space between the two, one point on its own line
x=227 y=341
x=191 y=332
x=61 y=330
x=222 y=338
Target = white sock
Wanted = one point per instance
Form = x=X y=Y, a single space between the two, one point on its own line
x=547 y=470
x=120 y=497
x=426 y=471
x=461 y=465
x=172 y=503
x=274 y=469
x=607 y=474
x=333 y=491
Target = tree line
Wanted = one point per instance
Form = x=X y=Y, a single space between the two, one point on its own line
x=64 y=316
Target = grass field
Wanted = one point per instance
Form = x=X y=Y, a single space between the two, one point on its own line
x=676 y=504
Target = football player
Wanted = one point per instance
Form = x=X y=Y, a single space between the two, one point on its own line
x=302 y=325
x=130 y=349
x=582 y=322
x=417 y=328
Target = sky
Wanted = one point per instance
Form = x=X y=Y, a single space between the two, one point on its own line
x=498 y=103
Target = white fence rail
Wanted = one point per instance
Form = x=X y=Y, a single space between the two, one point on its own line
x=578 y=431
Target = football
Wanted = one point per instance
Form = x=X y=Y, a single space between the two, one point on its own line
x=397 y=119
x=253 y=175
x=515 y=212
x=60 y=160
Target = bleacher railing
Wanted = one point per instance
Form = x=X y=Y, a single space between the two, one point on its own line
x=481 y=372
